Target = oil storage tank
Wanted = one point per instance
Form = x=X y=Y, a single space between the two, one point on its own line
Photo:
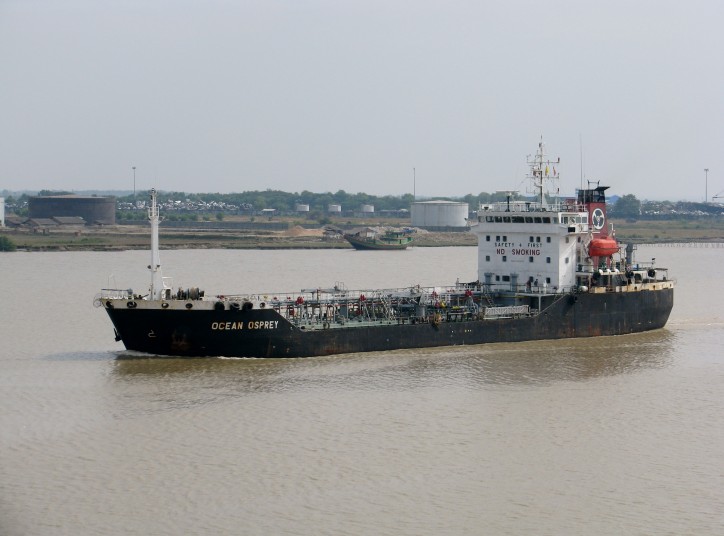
x=91 y=208
x=440 y=215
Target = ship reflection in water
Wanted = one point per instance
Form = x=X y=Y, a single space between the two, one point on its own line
x=527 y=363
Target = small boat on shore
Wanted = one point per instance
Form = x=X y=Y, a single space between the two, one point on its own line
x=370 y=238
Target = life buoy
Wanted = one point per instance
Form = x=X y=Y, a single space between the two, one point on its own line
x=652 y=272
x=164 y=305
x=234 y=306
x=219 y=306
x=189 y=305
x=131 y=305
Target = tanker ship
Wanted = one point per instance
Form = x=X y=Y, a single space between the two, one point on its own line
x=548 y=268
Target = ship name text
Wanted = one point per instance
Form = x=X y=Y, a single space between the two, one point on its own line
x=252 y=324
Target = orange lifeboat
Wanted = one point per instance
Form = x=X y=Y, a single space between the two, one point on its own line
x=602 y=247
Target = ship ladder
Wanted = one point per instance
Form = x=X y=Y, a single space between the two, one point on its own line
x=487 y=296
x=386 y=306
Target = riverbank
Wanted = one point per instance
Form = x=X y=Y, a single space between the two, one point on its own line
x=125 y=237
x=118 y=238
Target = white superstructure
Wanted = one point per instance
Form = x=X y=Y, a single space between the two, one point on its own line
x=532 y=245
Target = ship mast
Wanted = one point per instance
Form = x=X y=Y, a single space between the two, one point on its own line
x=155 y=266
x=541 y=170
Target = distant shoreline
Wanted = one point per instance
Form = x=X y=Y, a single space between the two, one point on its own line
x=136 y=237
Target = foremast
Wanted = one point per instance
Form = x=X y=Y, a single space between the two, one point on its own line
x=157 y=287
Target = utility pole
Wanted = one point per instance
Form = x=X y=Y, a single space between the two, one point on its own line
x=134 y=181
x=706 y=185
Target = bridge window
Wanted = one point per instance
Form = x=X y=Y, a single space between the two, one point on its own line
x=487 y=258
x=530 y=259
x=505 y=258
x=487 y=238
x=548 y=239
x=548 y=260
x=538 y=219
x=547 y=219
x=506 y=278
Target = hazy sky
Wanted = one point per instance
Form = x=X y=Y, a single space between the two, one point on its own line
x=220 y=96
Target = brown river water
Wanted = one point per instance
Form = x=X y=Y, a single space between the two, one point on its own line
x=613 y=435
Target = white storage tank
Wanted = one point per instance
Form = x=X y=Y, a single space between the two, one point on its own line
x=334 y=209
x=302 y=208
x=367 y=209
x=439 y=214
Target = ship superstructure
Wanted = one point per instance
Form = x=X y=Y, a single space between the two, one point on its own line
x=552 y=243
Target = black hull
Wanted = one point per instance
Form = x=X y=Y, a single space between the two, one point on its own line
x=197 y=333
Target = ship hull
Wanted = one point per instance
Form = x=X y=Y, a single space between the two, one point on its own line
x=263 y=333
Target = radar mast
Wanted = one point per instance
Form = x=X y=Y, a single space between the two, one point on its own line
x=542 y=170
